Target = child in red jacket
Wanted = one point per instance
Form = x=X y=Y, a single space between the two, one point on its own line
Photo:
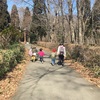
x=53 y=56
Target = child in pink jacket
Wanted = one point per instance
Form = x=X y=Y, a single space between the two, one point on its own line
x=41 y=55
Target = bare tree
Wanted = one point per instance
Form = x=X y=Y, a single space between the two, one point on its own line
x=70 y=9
x=26 y=24
x=96 y=21
x=79 y=15
x=61 y=23
x=26 y=19
x=21 y=11
x=49 y=25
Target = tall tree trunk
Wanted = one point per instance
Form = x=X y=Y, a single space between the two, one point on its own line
x=79 y=22
x=70 y=9
x=62 y=20
x=48 y=21
x=82 y=7
x=85 y=13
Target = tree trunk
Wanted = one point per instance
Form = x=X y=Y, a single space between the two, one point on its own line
x=62 y=20
x=48 y=22
x=79 y=22
x=71 y=21
x=25 y=36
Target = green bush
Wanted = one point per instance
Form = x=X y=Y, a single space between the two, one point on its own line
x=7 y=56
x=9 y=36
x=18 y=50
x=96 y=71
x=19 y=54
x=10 y=58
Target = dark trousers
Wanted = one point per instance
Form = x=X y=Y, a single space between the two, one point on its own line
x=41 y=58
x=61 y=59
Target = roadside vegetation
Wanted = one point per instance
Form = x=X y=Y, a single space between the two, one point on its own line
x=11 y=51
x=10 y=57
x=89 y=57
x=76 y=23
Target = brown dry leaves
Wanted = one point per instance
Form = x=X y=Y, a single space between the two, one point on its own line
x=9 y=83
x=85 y=72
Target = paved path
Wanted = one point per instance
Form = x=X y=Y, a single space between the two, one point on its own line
x=46 y=82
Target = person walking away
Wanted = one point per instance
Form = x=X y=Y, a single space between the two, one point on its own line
x=41 y=55
x=53 y=57
x=61 y=52
x=35 y=53
x=30 y=53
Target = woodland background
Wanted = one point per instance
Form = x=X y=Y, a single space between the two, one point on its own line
x=46 y=23
x=76 y=23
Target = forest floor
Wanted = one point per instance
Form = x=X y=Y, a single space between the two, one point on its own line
x=9 y=83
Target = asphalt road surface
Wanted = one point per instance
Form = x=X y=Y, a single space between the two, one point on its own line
x=47 y=82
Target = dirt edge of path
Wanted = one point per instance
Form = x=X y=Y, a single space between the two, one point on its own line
x=9 y=83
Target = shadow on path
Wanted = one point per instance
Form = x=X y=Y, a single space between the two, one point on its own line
x=46 y=82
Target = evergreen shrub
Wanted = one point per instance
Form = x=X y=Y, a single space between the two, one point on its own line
x=10 y=57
